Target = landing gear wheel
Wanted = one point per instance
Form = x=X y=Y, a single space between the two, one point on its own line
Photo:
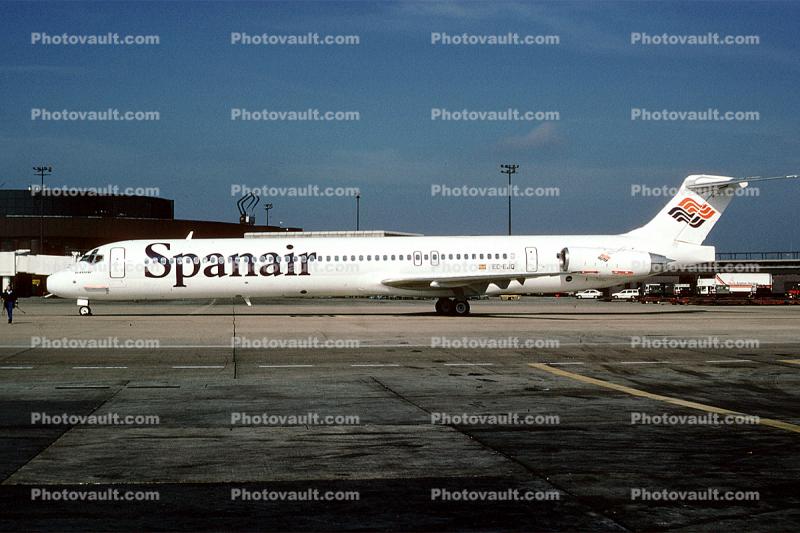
x=85 y=310
x=461 y=308
x=444 y=306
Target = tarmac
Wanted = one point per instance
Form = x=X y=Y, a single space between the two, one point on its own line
x=545 y=414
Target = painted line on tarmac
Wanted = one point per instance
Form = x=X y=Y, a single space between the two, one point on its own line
x=371 y=365
x=790 y=361
x=199 y=366
x=643 y=362
x=285 y=366
x=469 y=364
x=194 y=346
x=97 y=367
x=565 y=363
x=658 y=397
x=16 y=368
x=730 y=361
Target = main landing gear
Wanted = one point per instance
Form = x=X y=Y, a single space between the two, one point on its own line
x=449 y=306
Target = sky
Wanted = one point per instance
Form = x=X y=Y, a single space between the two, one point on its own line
x=395 y=78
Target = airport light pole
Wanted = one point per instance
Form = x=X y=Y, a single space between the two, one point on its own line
x=267 y=207
x=358 y=211
x=42 y=172
x=509 y=169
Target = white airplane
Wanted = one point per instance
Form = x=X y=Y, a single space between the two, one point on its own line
x=450 y=269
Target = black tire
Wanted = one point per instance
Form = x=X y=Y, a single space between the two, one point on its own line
x=461 y=308
x=446 y=306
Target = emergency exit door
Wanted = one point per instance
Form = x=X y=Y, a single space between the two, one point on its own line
x=531 y=260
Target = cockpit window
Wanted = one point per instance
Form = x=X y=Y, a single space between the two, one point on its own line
x=92 y=257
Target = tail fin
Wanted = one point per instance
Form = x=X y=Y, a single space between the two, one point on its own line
x=693 y=212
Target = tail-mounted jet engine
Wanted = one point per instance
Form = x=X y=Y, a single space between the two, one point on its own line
x=605 y=263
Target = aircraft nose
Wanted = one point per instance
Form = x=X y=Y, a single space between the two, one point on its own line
x=58 y=283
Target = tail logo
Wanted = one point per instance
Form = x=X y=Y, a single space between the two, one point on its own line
x=691 y=212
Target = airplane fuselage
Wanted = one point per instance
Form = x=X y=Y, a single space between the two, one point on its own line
x=342 y=266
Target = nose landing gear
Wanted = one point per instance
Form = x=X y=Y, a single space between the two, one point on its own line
x=83 y=307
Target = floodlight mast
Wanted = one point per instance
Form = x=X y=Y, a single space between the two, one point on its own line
x=42 y=171
x=509 y=169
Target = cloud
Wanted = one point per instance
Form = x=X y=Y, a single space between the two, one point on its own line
x=545 y=135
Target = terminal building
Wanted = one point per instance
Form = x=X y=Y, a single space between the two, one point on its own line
x=32 y=224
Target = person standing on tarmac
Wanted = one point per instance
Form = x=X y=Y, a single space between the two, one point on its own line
x=9 y=301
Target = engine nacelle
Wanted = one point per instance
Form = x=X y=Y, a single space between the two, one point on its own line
x=605 y=263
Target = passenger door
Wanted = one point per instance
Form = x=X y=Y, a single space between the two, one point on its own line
x=116 y=263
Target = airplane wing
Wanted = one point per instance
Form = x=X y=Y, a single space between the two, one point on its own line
x=463 y=282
